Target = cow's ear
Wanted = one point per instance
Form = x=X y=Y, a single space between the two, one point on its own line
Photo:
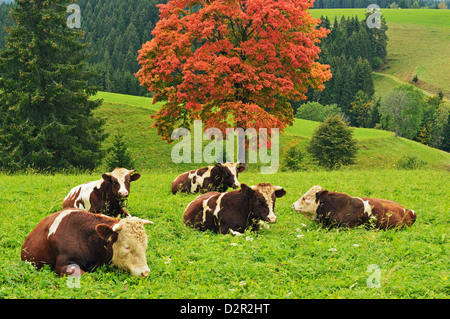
x=245 y=188
x=241 y=168
x=135 y=177
x=279 y=191
x=106 y=177
x=321 y=194
x=104 y=231
x=219 y=166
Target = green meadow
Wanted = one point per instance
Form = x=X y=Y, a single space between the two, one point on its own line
x=131 y=116
x=419 y=43
x=293 y=258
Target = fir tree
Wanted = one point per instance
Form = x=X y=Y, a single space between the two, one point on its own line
x=446 y=136
x=118 y=154
x=46 y=119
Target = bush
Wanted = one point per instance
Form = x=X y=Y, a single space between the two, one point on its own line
x=118 y=154
x=410 y=162
x=332 y=144
x=377 y=62
x=291 y=158
x=315 y=111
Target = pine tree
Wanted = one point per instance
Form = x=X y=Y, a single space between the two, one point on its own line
x=118 y=154
x=446 y=136
x=46 y=119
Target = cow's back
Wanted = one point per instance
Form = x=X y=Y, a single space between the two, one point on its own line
x=181 y=183
x=80 y=196
x=196 y=213
x=389 y=214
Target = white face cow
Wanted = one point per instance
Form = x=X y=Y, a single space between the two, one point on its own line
x=120 y=178
x=307 y=204
x=129 y=250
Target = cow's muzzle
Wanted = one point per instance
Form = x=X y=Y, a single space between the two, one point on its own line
x=271 y=219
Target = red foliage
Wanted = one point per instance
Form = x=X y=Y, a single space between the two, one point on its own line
x=231 y=63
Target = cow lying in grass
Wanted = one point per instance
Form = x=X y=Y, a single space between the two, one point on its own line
x=75 y=239
x=234 y=211
x=211 y=178
x=332 y=209
x=106 y=196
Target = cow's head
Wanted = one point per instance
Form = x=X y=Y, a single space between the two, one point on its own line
x=129 y=244
x=230 y=173
x=262 y=200
x=120 y=179
x=309 y=202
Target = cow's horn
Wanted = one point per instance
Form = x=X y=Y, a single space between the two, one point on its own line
x=117 y=227
x=146 y=222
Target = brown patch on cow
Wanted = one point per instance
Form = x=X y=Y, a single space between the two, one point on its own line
x=70 y=200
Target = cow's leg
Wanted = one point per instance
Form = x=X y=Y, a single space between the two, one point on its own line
x=235 y=230
x=235 y=233
x=64 y=267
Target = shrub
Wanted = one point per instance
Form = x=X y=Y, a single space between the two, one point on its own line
x=377 y=62
x=315 y=111
x=291 y=158
x=410 y=162
x=332 y=144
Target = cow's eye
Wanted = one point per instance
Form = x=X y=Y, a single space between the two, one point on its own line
x=126 y=247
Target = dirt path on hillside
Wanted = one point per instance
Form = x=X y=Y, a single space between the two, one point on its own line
x=396 y=79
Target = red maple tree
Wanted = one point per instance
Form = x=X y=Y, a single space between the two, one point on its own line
x=231 y=63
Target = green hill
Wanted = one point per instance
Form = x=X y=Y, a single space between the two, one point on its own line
x=131 y=116
x=419 y=43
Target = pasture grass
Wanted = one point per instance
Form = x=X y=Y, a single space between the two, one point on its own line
x=294 y=258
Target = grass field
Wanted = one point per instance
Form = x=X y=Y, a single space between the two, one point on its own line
x=292 y=259
x=419 y=43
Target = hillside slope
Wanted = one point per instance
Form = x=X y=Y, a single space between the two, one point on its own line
x=419 y=43
x=131 y=116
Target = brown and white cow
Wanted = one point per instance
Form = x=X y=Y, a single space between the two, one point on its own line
x=211 y=178
x=332 y=209
x=234 y=211
x=105 y=196
x=75 y=239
